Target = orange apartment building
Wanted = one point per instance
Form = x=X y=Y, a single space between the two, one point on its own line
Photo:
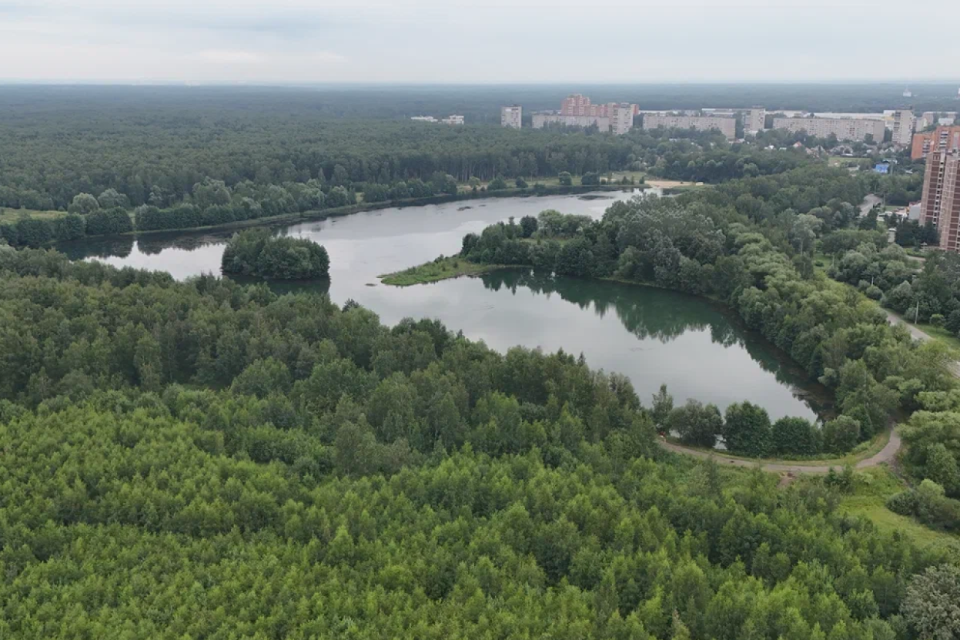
x=941 y=139
x=941 y=193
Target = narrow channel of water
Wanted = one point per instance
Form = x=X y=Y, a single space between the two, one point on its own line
x=698 y=349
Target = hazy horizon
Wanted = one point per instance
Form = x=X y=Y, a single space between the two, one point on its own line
x=295 y=42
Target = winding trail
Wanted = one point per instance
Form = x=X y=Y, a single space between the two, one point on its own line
x=885 y=455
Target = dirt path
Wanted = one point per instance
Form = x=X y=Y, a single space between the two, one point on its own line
x=885 y=455
x=869 y=202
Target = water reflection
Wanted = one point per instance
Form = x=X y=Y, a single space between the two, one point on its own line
x=656 y=314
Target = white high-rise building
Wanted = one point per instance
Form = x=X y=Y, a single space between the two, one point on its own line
x=903 y=124
x=755 y=120
x=511 y=116
x=621 y=117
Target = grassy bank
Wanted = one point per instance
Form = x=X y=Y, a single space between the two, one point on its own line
x=940 y=334
x=862 y=451
x=872 y=488
x=440 y=269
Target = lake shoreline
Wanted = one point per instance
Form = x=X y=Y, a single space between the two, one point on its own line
x=337 y=212
x=652 y=335
x=446 y=270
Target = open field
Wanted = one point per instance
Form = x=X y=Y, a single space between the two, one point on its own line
x=12 y=215
x=675 y=184
x=840 y=161
x=871 y=490
x=941 y=335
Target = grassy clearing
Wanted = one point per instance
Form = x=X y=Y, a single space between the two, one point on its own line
x=871 y=490
x=439 y=269
x=941 y=335
x=840 y=161
x=862 y=451
x=12 y=215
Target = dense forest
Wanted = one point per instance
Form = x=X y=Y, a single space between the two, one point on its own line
x=208 y=459
x=205 y=459
x=139 y=158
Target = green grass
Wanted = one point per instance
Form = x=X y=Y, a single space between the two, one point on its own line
x=12 y=215
x=844 y=162
x=439 y=269
x=871 y=490
x=862 y=451
x=942 y=335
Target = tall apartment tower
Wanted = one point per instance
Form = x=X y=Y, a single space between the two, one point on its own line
x=903 y=123
x=621 y=117
x=511 y=116
x=575 y=105
x=940 y=139
x=941 y=196
x=756 y=118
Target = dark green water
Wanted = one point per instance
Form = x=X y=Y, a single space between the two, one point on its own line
x=653 y=336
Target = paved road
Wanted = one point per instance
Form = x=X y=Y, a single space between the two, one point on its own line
x=885 y=455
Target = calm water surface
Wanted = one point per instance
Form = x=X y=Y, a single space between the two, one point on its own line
x=653 y=336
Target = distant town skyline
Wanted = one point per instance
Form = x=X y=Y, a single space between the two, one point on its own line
x=499 y=42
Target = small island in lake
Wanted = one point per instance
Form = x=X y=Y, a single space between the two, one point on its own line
x=258 y=253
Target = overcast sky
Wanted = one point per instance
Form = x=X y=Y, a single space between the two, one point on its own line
x=284 y=41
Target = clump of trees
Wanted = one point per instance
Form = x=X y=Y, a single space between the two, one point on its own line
x=256 y=252
x=746 y=429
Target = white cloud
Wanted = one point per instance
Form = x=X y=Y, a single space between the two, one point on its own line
x=229 y=57
x=460 y=41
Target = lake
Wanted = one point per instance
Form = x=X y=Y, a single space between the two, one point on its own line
x=698 y=349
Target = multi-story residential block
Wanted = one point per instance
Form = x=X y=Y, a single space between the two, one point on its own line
x=940 y=139
x=580 y=105
x=575 y=105
x=843 y=128
x=540 y=120
x=941 y=196
x=447 y=120
x=903 y=124
x=511 y=116
x=727 y=126
x=617 y=117
x=621 y=117
x=755 y=120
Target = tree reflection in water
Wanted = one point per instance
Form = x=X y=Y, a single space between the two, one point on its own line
x=653 y=313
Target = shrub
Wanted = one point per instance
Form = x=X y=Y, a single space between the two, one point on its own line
x=841 y=435
x=747 y=429
x=696 y=424
x=795 y=436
